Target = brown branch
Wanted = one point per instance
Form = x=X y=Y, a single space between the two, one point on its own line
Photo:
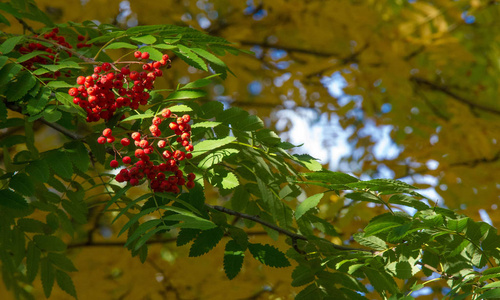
x=475 y=162
x=292 y=235
x=447 y=91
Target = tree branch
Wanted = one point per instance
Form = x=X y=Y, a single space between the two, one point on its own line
x=447 y=91
x=290 y=49
x=292 y=235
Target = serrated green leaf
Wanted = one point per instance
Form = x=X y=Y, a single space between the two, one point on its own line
x=369 y=197
x=370 y=241
x=10 y=43
x=199 y=83
x=250 y=123
x=302 y=275
x=206 y=241
x=382 y=223
x=490 y=294
x=59 y=84
x=79 y=155
x=38 y=170
x=141 y=230
x=234 y=255
x=408 y=201
x=211 y=109
x=8 y=72
x=65 y=282
x=76 y=211
x=51 y=115
x=22 y=184
x=308 y=204
x=120 y=45
x=230 y=181
x=12 y=200
x=32 y=261
x=403 y=270
x=216 y=157
x=17 y=89
x=206 y=124
x=186 y=235
x=312 y=291
x=49 y=243
x=208 y=145
x=142 y=241
x=190 y=57
x=60 y=163
x=331 y=177
x=47 y=274
x=186 y=94
x=139 y=116
x=269 y=255
x=61 y=261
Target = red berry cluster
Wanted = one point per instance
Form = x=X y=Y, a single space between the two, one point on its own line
x=51 y=56
x=166 y=175
x=103 y=92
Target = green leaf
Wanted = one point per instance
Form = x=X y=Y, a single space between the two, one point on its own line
x=312 y=291
x=240 y=199
x=189 y=220
x=75 y=210
x=10 y=43
x=268 y=255
x=370 y=241
x=186 y=94
x=208 y=145
x=49 y=243
x=382 y=223
x=120 y=45
x=180 y=108
x=79 y=155
x=65 y=283
x=302 y=275
x=267 y=137
x=308 y=161
x=31 y=225
x=142 y=229
x=206 y=124
x=457 y=225
x=47 y=274
x=147 y=236
x=22 y=184
x=403 y=270
x=154 y=54
x=308 y=204
x=12 y=200
x=211 y=109
x=32 y=261
x=8 y=72
x=136 y=218
x=250 y=123
x=234 y=255
x=190 y=58
x=139 y=116
x=59 y=84
x=145 y=39
x=363 y=197
x=186 y=235
x=216 y=157
x=229 y=181
x=331 y=177
x=199 y=83
x=3 y=111
x=60 y=163
x=490 y=294
x=206 y=241
x=408 y=201
x=17 y=89
x=61 y=261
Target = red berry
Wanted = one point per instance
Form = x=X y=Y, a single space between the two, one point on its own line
x=126 y=160
x=143 y=143
x=190 y=184
x=137 y=54
x=80 y=80
x=106 y=66
x=134 y=181
x=107 y=132
x=165 y=56
x=136 y=136
x=97 y=69
x=125 y=142
x=186 y=118
x=173 y=126
x=101 y=140
x=110 y=139
x=166 y=113
x=114 y=163
x=162 y=144
x=191 y=177
x=145 y=55
x=139 y=153
x=73 y=91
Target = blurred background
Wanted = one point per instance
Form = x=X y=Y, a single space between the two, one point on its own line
x=402 y=89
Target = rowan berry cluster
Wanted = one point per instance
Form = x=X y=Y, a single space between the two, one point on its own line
x=158 y=158
x=106 y=90
x=52 y=53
